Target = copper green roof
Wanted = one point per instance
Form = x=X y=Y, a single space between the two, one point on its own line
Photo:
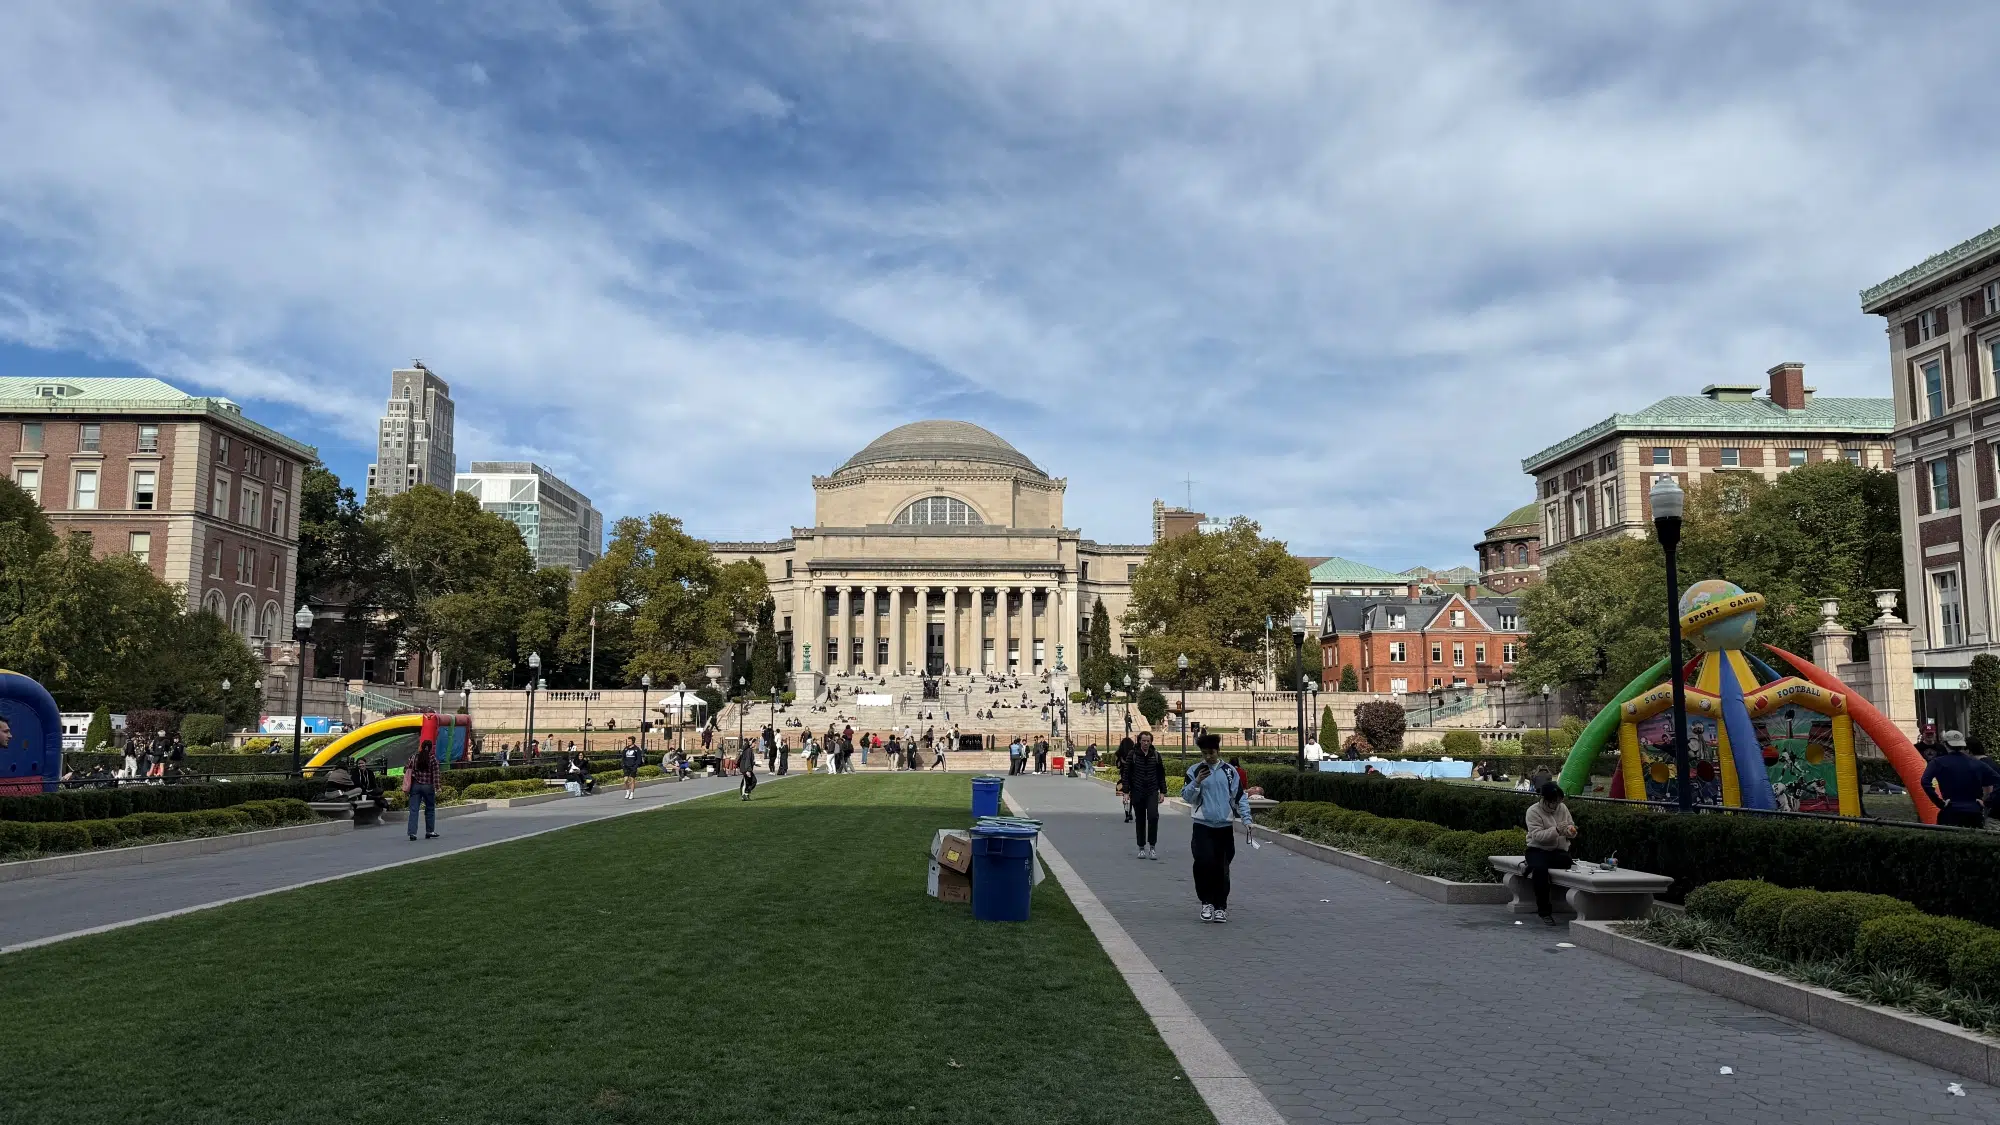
x=1529 y=513
x=1696 y=414
x=1337 y=569
x=1934 y=268
x=134 y=395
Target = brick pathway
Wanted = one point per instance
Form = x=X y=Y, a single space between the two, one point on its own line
x=1351 y=1001
x=42 y=907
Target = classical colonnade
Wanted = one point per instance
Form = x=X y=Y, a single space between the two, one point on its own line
x=1003 y=613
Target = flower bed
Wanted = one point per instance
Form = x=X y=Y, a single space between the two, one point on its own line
x=1872 y=947
x=1414 y=845
x=26 y=839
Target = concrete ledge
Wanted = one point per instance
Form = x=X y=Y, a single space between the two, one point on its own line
x=172 y=849
x=1935 y=1043
x=1429 y=886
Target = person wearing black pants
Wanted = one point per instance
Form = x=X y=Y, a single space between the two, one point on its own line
x=746 y=767
x=1214 y=851
x=1146 y=784
x=1550 y=830
x=1214 y=793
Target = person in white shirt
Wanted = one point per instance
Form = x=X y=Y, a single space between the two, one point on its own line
x=1313 y=751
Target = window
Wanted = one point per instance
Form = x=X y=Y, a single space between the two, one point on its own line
x=1131 y=569
x=1731 y=458
x=1940 y=485
x=1794 y=458
x=1521 y=555
x=277 y=561
x=143 y=489
x=278 y=516
x=31 y=437
x=1950 y=619
x=1610 y=505
x=788 y=562
x=268 y=627
x=218 y=501
x=86 y=490
x=215 y=566
x=1399 y=687
x=1853 y=456
x=1508 y=652
x=211 y=602
x=1934 y=388
x=1399 y=652
x=1929 y=325
x=243 y=570
x=939 y=511
x=1458 y=619
x=1552 y=529
x=141 y=546
x=1479 y=654
x=149 y=439
x=1509 y=620
x=1663 y=455
x=89 y=437
x=239 y=617
x=1396 y=619
x=1578 y=516
x=222 y=448
x=1458 y=656
x=1437 y=652
x=1992 y=295
x=256 y=459
x=30 y=481
x=253 y=507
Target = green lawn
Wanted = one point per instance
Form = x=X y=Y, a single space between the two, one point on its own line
x=714 y=962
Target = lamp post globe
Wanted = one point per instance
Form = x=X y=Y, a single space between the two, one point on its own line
x=1669 y=504
x=302 y=623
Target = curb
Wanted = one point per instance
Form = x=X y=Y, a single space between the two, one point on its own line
x=1429 y=886
x=1230 y=1093
x=1918 y=1038
x=172 y=849
x=562 y=795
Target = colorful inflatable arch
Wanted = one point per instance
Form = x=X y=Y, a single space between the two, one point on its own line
x=1756 y=739
x=386 y=744
x=31 y=741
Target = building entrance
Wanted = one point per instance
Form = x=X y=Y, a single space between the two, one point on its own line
x=934 y=649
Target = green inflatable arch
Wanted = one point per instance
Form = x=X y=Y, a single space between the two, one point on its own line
x=1589 y=744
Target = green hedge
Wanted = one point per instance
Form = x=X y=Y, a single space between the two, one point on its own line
x=1941 y=872
x=1466 y=851
x=77 y=835
x=102 y=804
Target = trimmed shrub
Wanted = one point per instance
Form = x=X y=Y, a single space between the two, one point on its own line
x=102 y=833
x=1920 y=944
x=1461 y=846
x=106 y=804
x=1461 y=743
x=1417 y=833
x=1761 y=912
x=18 y=837
x=156 y=823
x=1975 y=966
x=204 y=730
x=1822 y=926
x=67 y=836
x=99 y=732
x=1718 y=901
x=1381 y=724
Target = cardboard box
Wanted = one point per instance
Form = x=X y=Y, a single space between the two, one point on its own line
x=947 y=885
x=953 y=850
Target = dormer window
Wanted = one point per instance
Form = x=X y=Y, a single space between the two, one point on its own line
x=56 y=390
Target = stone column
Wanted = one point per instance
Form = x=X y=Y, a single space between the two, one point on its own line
x=951 y=629
x=1892 y=682
x=896 y=637
x=1001 y=612
x=871 y=631
x=923 y=628
x=1832 y=645
x=846 y=627
x=978 y=630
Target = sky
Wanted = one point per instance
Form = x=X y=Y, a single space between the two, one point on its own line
x=1341 y=264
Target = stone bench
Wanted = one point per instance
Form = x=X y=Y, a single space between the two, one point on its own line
x=1595 y=893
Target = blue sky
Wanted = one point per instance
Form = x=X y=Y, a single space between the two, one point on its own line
x=1342 y=263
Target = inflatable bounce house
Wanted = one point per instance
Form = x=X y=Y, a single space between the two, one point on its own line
x=1756 y=739
x=30 y=737
x=386 y=744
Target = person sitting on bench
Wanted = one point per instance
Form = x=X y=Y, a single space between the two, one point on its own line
x=1550 y=829
x=579 y=772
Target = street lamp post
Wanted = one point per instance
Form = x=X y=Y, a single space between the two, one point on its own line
x=645 y=685
x=1181 y=662
x=465 y=706
x=302 y=623
x=1299 y=681
x=742 y=705
x=1128 y=704
x=1107 y=716
x=1668 y=504
x=1546 y=743
x=534 y=677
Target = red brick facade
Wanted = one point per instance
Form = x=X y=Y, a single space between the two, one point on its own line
x=1444 y=641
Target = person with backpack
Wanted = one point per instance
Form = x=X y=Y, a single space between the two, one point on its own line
x=629 y=761
x=1214 y=792
x=746 y=768
x=1146 y=785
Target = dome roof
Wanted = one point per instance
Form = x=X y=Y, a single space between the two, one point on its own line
x=941 y=440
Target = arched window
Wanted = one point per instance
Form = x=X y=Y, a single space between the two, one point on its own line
x=211 y=602
x=1521 y=554
x=269 y=630
x=239 y=616
x=935 y=510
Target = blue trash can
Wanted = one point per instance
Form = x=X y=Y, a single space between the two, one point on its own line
x=1003 y=873
x=986 y=796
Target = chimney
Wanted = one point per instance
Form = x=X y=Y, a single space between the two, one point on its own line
x=1471 y=590
x=1788 y=386
x=1415 y=591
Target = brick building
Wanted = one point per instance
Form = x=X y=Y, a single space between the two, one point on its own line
x=1510 y=554
x=1593 y=484
x=1421 y=642
x=185 y=483
x=1942 y=317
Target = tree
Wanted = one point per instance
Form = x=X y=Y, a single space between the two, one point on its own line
x=1207 y=596
x=343 y=561
x=1329 y=731
x=99 y=732
x=1381 y=723
x=1101 y=666
x=767 y=671
x=1349 y=679
x=665 y=605
x=1152 y=704
x=1984 y=722
x=19 y=510
x=1286 y=659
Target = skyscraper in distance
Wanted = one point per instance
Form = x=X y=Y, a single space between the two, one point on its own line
x=413 y=444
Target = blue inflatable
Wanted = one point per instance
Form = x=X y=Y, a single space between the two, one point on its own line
x=30 y=737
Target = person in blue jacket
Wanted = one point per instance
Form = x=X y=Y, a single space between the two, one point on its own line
x=1214 y=791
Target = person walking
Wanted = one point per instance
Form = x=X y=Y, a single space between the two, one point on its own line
x=1014 y=757
x=1145 y=785
x=420 y=782
x=1122 y=761
x=770 y=748
x=1214 y=793
x=1957 y=783
x=784 y=754
x=1550 y=829
x=1090 y=760
x=746 y=769
x=937 y=749
x=629 y=761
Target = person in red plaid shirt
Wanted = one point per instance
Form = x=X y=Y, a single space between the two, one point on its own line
x=420 y=781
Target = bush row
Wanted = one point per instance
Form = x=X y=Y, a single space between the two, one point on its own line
x=104 y=804
x=1942 y=872
x=1883 y=933
x=528 y=787
x=77 y=835
x=1468 y=849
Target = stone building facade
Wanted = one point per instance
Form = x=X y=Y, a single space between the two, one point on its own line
x=1510 y=554
x=413 y=441
x=1593 y=484
x=939 y=549
x=1942 y=318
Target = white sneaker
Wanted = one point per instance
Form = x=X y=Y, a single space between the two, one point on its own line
x=1142 y=853
x=1207 y=912
x=1152 y=853
x=1222 y=915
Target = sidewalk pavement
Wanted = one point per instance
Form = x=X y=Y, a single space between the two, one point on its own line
x=44 y=907
x=1348 y=1000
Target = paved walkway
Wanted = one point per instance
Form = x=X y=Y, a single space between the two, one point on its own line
x=50 y=905
x=1348 y=1000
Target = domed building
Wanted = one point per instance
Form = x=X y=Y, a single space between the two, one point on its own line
x=939 y=548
